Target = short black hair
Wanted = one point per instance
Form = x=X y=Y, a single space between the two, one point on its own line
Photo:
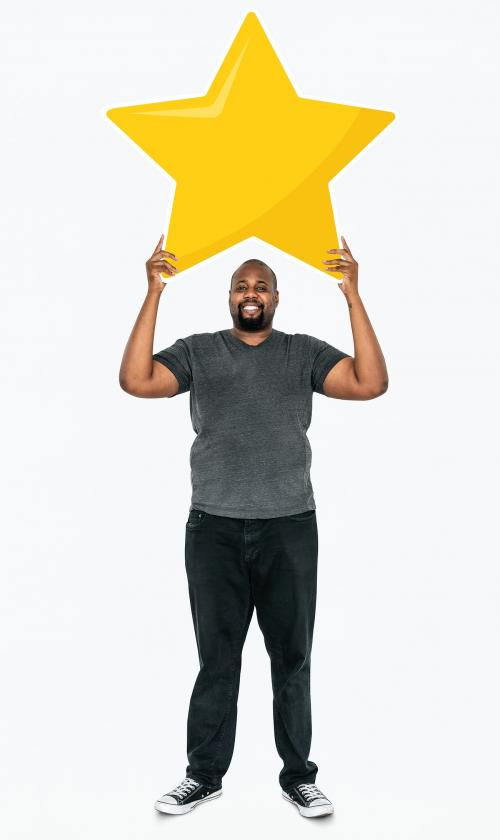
x=263 y=265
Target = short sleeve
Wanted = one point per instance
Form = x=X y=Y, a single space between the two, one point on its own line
x=323 y=357
x=178 y=359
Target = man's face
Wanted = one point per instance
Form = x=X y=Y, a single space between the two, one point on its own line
x=252 y=286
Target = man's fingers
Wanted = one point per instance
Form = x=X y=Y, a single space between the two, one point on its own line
x=168 y=254
x=346 y=245
x=158 y=246
x=160 y=262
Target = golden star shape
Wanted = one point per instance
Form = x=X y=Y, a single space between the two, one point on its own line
x=251 y=158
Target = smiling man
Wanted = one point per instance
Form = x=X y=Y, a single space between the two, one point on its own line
x=251 y=537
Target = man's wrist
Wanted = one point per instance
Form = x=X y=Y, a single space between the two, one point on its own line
x=353 y=299
x=154 y=293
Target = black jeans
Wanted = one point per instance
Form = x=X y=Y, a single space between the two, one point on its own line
x=233 y=565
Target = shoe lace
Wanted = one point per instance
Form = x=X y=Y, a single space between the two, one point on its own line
x=186 y=786
x=309 y=791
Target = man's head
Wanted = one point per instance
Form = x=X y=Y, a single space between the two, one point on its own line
x=253 y=282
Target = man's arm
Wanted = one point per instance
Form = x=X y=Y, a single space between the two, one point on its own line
x=364 y=376
x=140 y=375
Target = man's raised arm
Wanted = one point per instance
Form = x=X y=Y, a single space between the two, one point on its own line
x=140 y=375
x=365 y=376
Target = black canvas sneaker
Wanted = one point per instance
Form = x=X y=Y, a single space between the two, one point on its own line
x=308 y=798
x=185 y=797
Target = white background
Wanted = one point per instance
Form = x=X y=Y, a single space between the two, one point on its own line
x=97 y=646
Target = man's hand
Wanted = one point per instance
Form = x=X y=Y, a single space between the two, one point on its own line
x=157 y=265
x=348 y=266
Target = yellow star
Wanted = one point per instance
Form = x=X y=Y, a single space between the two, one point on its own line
x=251 y=158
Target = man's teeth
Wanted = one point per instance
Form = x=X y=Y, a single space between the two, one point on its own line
x=250 y=308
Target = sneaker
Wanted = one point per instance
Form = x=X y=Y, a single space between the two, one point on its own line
x=308 y=798
x=185 y=797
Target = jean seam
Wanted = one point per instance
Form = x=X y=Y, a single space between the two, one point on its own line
x=231 y=693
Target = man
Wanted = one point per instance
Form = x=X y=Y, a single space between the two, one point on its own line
x=251 y=536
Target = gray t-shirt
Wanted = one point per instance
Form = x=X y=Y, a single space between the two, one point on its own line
x=251 y=408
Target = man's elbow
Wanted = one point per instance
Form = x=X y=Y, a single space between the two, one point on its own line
x=125 y=385
x=371 y=392
x=381 y=389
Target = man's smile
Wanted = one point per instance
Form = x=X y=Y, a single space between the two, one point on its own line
x=250 y=308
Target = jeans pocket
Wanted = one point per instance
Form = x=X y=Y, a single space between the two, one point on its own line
x=195 y=519
x=305 y=516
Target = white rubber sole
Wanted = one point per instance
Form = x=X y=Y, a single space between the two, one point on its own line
x=311 y=810
x=170 y=808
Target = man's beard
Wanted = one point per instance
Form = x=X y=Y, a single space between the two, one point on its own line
x=250 y=323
